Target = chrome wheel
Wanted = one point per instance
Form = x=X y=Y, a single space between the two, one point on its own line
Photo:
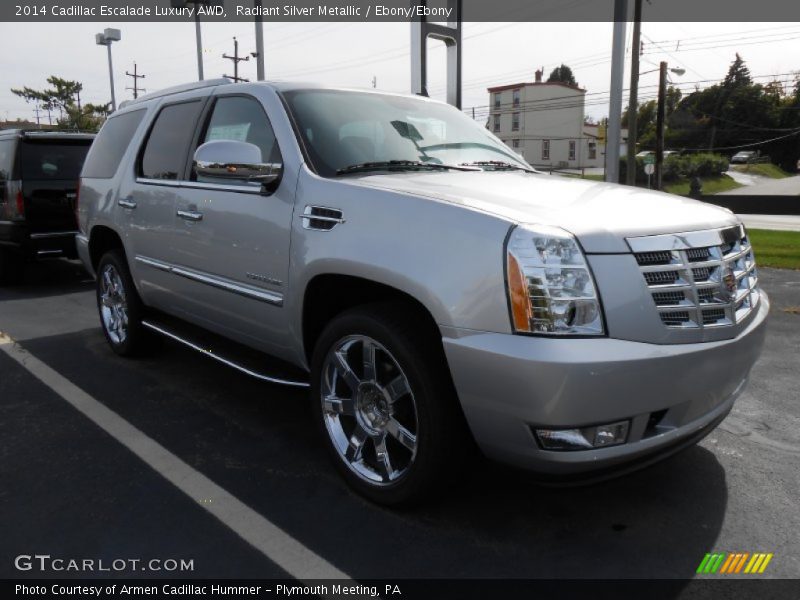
x=369 y=410
x=113 y=304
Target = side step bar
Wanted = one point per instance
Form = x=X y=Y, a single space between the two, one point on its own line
x=171 y=333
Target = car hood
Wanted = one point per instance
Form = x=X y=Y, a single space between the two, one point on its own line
x=600 y=214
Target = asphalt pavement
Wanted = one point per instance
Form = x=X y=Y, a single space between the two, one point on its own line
x=175 y=456
x=788 y=186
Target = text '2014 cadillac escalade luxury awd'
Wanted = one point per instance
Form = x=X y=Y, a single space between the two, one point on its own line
x=428 y=285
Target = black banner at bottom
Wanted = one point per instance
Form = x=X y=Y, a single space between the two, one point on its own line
x=409 y=589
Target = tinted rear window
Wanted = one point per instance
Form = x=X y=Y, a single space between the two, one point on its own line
x=110 y=145
x=6 y=158
x=164 y=155
x=52 y=159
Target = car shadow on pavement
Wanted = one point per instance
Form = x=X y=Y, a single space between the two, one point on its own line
x=52 y=277
x=258 y=442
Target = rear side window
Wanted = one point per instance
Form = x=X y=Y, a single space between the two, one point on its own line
x=164 y=155
x=6 y=158
x=109 y=146
x=51 y=160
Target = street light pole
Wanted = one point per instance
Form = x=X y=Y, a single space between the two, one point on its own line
x=111 y=79
x=199 y=37
x=105 y=39
x=662 y=97
x=259 y=41
x=633 y=101
x=614 y=137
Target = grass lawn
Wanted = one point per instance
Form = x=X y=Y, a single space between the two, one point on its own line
x=780 y=249
x=591 y=177
x=711 y=185
x=763 y=169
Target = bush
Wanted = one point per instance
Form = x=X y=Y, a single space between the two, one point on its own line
x=677 y=167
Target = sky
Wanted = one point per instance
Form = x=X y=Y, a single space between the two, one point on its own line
x=351 y=54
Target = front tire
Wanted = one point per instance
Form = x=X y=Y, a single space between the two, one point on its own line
x=121 y=310
x=381 y=392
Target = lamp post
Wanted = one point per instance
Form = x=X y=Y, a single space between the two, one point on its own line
x=197 y=32
x=104 y=39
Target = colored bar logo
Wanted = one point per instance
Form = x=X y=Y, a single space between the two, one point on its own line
x=734 y=563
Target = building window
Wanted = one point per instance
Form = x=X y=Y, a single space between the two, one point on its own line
x=516 y=98
x=592 y=150
x=515 y=143
x=545 y=149
x=496 y=126
x=496 y=100
x=515 y=122
x=572 y=150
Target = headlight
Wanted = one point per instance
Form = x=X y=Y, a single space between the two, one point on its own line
x=550 y=287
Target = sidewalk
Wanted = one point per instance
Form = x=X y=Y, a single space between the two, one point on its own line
x=776 y=222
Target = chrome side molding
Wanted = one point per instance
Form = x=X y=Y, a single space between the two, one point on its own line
x=217 y=282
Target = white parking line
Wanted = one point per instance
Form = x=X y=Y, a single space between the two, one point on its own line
x=266 y=537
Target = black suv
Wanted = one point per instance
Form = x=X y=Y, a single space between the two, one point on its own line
x=38 y=189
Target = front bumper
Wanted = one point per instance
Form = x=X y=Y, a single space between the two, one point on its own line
x=672 y=394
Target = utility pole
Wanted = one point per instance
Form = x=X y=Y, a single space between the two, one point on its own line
x=259 y=53
x=633 y=101
x=136 y=89
x=236 y=60
x=662 y=97
x=36 y=110
x=614 y=137
x=374 y=81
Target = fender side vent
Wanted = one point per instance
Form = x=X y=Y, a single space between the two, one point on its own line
x=321 y=218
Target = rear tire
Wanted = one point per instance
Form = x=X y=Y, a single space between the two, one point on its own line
x=120 y=308
x=391 y=423
x=12 y=267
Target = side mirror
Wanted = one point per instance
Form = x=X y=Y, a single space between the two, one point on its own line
x=233 y=160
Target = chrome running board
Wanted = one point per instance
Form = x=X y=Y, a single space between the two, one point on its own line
x=163 y=330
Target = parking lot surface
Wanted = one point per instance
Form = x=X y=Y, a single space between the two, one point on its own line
x=71 y=488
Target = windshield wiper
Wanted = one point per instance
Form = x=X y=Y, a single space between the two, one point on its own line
x=498 y=165
x=401 y=165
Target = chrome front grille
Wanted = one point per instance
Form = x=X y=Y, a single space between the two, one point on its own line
x=699 y=279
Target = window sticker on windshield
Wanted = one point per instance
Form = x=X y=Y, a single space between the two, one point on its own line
x=236 y=132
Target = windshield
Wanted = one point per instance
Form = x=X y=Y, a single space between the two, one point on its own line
x=342 y=129
x=53 y=160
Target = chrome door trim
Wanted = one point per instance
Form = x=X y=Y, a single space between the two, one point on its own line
x=221 y=187
x=274 y=298
x=166 y=182
x=53 y=234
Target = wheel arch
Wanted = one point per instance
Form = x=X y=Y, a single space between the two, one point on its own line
x=101 y=240
x=330 y=294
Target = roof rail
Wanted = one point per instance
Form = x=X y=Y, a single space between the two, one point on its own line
x=177 y=89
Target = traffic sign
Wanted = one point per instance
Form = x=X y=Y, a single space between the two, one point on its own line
x=650 y=159
x=649 y=168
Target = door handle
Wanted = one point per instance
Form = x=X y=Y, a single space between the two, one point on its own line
x=190 y=215
x=127 y=202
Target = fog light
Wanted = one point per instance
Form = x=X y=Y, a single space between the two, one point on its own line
x=583 y=438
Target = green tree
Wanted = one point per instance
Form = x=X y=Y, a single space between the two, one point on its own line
x=64 y=96
x=562 y=74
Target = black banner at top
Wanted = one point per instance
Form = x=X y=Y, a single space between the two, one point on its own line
x=31 y=11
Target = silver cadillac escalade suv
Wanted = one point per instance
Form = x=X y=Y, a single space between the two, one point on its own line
x=430 y=288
